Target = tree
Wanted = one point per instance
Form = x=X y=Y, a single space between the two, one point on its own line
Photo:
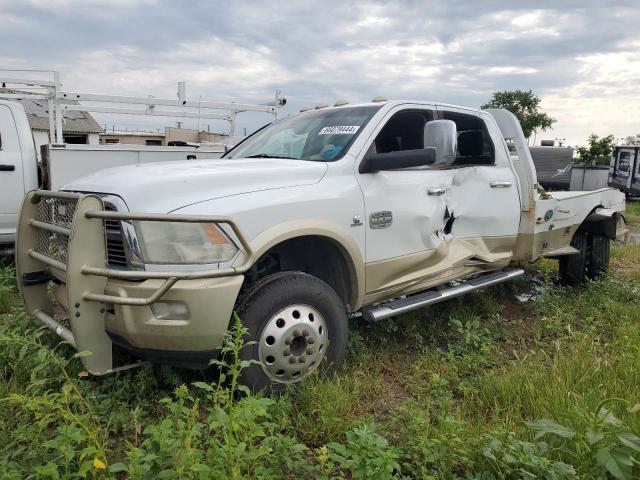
x=632 y=140
x=526 y=106
x=598 y=152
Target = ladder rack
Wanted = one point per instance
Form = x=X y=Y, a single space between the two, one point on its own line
x=51 y=91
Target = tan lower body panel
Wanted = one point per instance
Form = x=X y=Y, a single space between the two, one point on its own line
x=453 y=259
x=530 y=247
x=209 y=301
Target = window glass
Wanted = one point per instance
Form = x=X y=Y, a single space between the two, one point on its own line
x=475 y=146
x=624 y=160
x=318 y=135
x=403 y=131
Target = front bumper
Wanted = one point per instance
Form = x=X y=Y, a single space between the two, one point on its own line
x=209 y=303
x=61 y=251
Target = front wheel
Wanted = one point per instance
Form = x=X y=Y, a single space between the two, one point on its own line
x=298 y=324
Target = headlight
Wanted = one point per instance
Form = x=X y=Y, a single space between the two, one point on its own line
x=183 y=243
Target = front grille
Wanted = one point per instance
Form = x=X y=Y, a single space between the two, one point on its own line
x=116 y=252
x=55 y=211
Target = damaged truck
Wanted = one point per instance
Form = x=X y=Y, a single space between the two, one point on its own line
x=369 y=210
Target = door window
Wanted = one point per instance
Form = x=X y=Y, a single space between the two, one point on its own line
x=475 y=146
x=624 y=160
x=404 y=131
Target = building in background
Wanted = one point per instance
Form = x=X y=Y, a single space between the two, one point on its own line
x=171 y=136
x=77 y=127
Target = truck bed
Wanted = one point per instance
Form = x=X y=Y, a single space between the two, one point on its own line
x=559 y=214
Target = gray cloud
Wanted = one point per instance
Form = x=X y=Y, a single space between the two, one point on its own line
x=455 y=51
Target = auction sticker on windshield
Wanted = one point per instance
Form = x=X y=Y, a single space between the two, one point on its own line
x=339 y=130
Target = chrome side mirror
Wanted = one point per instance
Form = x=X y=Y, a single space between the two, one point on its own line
x=442 y=135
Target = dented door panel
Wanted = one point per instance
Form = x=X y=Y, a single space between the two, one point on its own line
x=481 y=210
x=418 y=218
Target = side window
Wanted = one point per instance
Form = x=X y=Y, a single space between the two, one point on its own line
x=475 y=146
x=403 y=131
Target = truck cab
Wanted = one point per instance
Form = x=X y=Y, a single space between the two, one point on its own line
x=368 y=210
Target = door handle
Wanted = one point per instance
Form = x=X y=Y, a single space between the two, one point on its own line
x=437 y=191
x=500 y=184
x=7 y=168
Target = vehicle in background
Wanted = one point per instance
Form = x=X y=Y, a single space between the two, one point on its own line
x=368 y=210
x=21 y=171
x=553 y=166
x=624 y=170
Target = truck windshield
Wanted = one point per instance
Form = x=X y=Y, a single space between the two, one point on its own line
x=318 y=135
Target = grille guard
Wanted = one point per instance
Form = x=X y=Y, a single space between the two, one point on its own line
x=70 y=247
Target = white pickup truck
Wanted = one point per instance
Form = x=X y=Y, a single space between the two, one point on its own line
x=20 y=170
x=372 y=208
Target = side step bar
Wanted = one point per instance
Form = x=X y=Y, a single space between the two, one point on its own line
x=397 y=307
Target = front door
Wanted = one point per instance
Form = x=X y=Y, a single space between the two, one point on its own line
x=405 y=210
x=623 y=167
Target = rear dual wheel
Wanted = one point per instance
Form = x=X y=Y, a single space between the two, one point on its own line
x=590 y=262
x=298 y=324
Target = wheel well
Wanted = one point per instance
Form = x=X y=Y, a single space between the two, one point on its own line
x=316 y=255
x=602 y=226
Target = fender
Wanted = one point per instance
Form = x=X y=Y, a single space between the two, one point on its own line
x=305 y=227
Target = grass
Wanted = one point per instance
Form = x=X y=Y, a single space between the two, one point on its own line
x=632 y=213
x=482 y=387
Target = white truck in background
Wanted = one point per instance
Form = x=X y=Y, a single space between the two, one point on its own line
x=21 y=172
x=61 y=163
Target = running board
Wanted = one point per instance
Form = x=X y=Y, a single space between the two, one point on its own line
x=404 y=305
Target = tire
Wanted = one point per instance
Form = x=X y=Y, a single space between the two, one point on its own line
x=299 y=325
x=573 y=268
x=599 y=251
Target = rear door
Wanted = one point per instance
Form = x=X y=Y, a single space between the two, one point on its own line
x=483 y=195
x=623 y=167
x=11 y=180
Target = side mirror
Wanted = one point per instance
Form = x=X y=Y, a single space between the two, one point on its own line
x=375 y=162
x=443 y=136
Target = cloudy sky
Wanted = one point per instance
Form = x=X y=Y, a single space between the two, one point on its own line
x=581 y=57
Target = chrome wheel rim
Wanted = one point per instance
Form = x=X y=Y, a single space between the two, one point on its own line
x=293 y=343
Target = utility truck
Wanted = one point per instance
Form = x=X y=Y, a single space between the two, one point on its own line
x=22 y=171
x=368 y=210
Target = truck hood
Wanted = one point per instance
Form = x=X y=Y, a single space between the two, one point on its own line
x=166 y=186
